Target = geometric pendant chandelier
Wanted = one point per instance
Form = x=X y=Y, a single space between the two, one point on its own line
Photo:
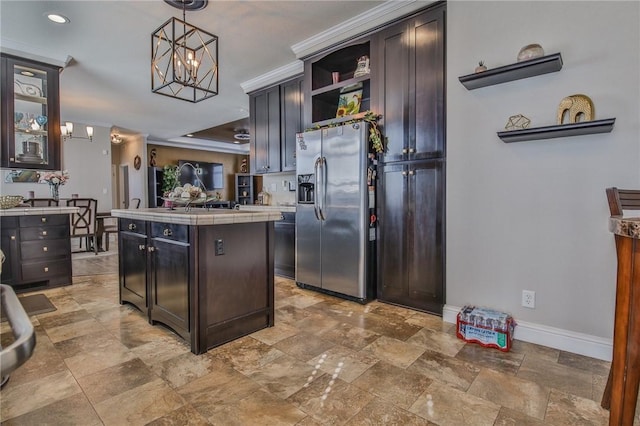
x=184 y=58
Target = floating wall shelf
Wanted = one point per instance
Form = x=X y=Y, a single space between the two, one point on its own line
x=558 y=131
x=537 y=66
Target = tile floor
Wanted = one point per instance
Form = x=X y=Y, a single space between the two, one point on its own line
x=326 y=361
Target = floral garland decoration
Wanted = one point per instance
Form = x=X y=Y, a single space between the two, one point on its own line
x=375 y=135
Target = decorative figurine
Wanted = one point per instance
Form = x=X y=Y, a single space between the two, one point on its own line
x=530 y=51
x=576 y=105
x=363 y=66
x=243 y=166
x=517 y=122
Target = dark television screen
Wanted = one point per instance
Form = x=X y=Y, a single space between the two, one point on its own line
x=211 y=174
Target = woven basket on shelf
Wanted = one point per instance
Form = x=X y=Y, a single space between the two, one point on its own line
x=10 y=201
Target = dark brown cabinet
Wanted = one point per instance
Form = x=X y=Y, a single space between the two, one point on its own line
x=132 y=243
x=30 y=115
x=291 y=114
x=285 y=246
x=37 y=250
x=275 y=118
x=410 y=58
x=169 y=254
x=410 y=87
x=411 y=257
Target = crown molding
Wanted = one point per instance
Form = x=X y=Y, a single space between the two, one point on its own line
x=290 y=70
x=373 y=18
x=202 y=145
x=22 y=50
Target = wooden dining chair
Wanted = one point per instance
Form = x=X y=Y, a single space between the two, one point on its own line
x=619 y=200
x=83 y=223
x=41 y=202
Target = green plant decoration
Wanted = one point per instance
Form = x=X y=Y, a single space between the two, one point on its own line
x=375 y=135
x=169 y=178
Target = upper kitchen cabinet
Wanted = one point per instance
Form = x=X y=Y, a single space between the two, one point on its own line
x=334 y=76
x=291 y=120
x=30 y=115
x=410 y=80
x=275 y=116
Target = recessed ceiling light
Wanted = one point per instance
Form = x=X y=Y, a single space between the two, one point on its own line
x=57 y=18
x=27 y=73
x=189 y=135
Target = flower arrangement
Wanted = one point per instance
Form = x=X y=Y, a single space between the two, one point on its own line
x=56 y=178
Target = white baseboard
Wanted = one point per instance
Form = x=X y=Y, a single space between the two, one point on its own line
x=557 y=338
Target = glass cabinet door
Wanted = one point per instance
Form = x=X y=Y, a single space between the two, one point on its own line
x=31 y=122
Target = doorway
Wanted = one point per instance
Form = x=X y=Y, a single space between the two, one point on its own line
x=123 y=187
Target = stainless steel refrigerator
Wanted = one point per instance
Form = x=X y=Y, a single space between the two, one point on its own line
x=335 y=235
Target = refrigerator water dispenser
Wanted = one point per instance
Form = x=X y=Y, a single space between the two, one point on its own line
x=306 y=189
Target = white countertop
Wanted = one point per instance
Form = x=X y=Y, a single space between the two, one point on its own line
x=34 y=211
x=257 y=207
x=197 y=216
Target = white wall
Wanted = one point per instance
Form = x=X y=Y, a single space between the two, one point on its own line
x=533 y=215
x=89 y=167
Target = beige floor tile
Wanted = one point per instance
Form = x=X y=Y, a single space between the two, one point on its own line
x=509 y=417
x=444 y=405
x=505 y=362
x=158 y=351
x=554 y=375
x=73 y=410
x=511 y=392
x=452 y=371
x=330 y=400
x=428 y=321
x=379 y=412
x=272 y=335
x=532 y=350
x=437 y=341
x=76 y=329
x=20 y=398
x=44 y=361
x=116 y=380
x=566 y=409
x=139 y=405
x=304 y=346
x=108 y=353
x=246 y=354
x=184 y=368
x=284 y=376
x=183 y=416
x=346 y=364
x=393 y=384
x=582 y=362
x=394 y=351
x=351 y=336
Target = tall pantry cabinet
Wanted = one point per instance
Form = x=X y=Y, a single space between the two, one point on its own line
x=411 y=88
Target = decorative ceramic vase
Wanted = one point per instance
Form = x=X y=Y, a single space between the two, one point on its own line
x=530 y=51
x=55 y=191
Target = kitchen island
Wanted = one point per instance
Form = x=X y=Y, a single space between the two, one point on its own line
x=206 y=274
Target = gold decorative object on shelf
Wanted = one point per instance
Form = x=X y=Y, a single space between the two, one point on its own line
x=576 y=105
x=530 y=51
x=10 y=201
x=517 y=122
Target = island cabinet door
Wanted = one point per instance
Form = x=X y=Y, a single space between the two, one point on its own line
x=133 y=269
x=169 y=302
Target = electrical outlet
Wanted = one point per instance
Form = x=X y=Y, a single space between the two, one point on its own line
x=529 y=299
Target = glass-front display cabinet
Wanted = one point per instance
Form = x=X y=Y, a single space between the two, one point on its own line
x=30 y=114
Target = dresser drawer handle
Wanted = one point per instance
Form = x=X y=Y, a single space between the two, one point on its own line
x=166 y=232
x=132 y=226
x=45 y=248
x=151 y=248
x=13 y=237
x=43 y=219
x=141 y=247
x=44 y=233
x=46 y=269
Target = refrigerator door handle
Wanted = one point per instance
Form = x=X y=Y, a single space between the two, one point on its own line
x=317 y=185
x=323 y=183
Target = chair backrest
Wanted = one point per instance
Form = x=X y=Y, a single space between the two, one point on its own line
x=42 y=202
x=622 y=199
x=83 y=222
x=134 y=203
